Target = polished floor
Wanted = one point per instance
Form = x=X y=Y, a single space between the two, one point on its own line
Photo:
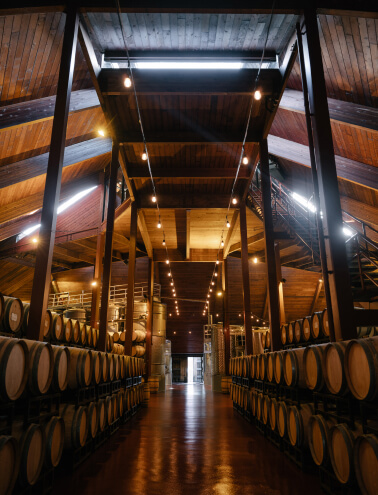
x=188 y=441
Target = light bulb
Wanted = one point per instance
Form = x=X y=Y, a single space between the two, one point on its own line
x=167 y=262
x=222 y=243
x=169 y=274
x=239 y=315
x=35 y=240
x=94 y=283
x=245 y=160
x=190 y=331
x=163 y=243
x=101 y=133
x=234 y=201
x=171 y=283
x=217 y=315
x=159 y=224
x=217 y=262
x=219 y=294
x=255 y=260
x=212 y=283
x=127 y=82
x=320 y=280
x=228 y=223
x=215 y=274
x=153 y=199
x=211 y=290
x=178 y=314
x=257 y=95
x=144 y=156
x=170 y=314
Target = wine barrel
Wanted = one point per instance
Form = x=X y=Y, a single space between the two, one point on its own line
x=111 y=370
x=298 y=337
x=333 y=368
x=306 y=328
x=252 y=369
x=75 y=331
x=265 y=408
x=101 y=414
x=12 y=316
x=325 y=325
x=282 y=418
x=48 y=323
x=9 y=455
x=59 y=381
x=263 y=340
x=263 y=364
x=270 y=366
x=83 y=333
x=341 y=446
x=319 y=429
x=94 y=337
x=138 y=336
x=138 y=351
x=122 y=362
x=365 y=332
x=104 y=366
x=14 y=368
x=54 y=434
x=116 y=337
x=273 y=414
x=88 y=330
x=284 y=330
x=96 y=368
x=2 y=304
x=109 y=342
x=93 y=419
x=68 y=329
x=313 y=366
x=278 y=367
x=32 y=443
x=117 y=367
x=25 y=318
x=109 y=409
x=366 y=464
x=41 y=366
x=294 y=368
x=361 y=368
x=316 y=325
x=290 y=332
x=57 y=328
x=259 y=400
x=80 y=368
x=268 y=340
x=297 y=424
x=76 y=425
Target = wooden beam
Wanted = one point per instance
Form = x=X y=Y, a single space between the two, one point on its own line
x=181 y=231
x=340 y=288
x=281 y=307
x=359 y=173
x=107 y=263
x=251 y=240
x=227 y=242
x=37 y=165
x=97 y=271
x=45 y=247
x=131 y=279
x=270 y=256
x=196 y=255
x=186 y=201
x=226 y=317
x=144 y=233
x=75 y=255
x=318 y=290
x=187 y=235
x=149 y=323
x=137 y=171
x=266 y=304
x=245 y=281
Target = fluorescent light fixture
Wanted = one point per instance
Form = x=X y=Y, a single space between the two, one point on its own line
x=190 y=65
x=303 y=202
x=61 y=208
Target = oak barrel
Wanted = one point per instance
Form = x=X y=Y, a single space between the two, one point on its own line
x=138 y=351
x=92 y=419
x=319 y=438
x=12 y=316
x=76 y=425
x=263 y=364
x=316 y=325
x=263 y=340
x=83 y=333
x=225 y=384
x=111 y=370
x=94 y=337
x=59 y=381
x=117 y=367
x=306 y=328
x=282 y=419
x=138 y=336
x=278 y=367
x=341 y=452
x=252 y=370
x=366 y=463
x=259 y=404
x=54 y=434
x=333 y=368
x=146 y=394
x=41 y=366
x=14 y=368
x=80 y=368
x=270 y=366
x=32 y=443
x=313 y=366
x=154 y=381
x=325 y=325
x=268 y=340
x=290 y=332
x=57 y=327
x=361 y=368
x=297 y=424
x=104 y=366
x=9 y=456
x=96 y=367
x=75 y=331
x=298 y=337
x=253 y=396
x=89 y=334
x=293 y=366
x=265 y=408
x=1 y=307
x=68 y=329
x=284 y=334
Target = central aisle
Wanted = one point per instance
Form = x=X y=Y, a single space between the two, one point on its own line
x=188 y=441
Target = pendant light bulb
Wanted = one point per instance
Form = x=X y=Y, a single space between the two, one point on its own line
x=222 y=243
x=245 y=160
x=127 y=82
x=167 y=262
x=144 y=156
x=257 y=95
x=159 y=224
x=228 y=223
x=212 y=283
x=153 y=199
x=163 y=243
x=215 y=274
x=217 y=262
x=234 y=201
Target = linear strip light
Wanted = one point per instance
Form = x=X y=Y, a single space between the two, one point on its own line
x=190 y=65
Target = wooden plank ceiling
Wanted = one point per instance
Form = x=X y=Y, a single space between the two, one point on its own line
x=194 y=125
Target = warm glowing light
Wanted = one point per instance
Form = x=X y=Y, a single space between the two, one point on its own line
x=174 y=333
x=153 y=199
x=35 y=240
x=219 y=293
x=303 y=202
x=167 y=262
x=257 y=95
x=208 y=296
x=257 y=319
x=217 y=263
x=94 y=283
x=255 y=260
x=171 y=283
x=222 y=243
x=234 y=201
x=101 y=133
x=239 y=315
x=228 y=223
x=144 y=156
x=163 y=243
x=213 y=283
x=211 y=290
x=215 y=274
x=169 y=273
x=159 y=224
x=127 y=82
x=245 y=160
x=170 y=314
x=190 y=331
x=320 y=280
x=217 y=315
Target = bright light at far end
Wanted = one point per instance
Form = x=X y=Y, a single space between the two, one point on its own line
x=190 y=65
x=255 y=260
x=127 y=82
x=303 y=202
x=257 y=95
x=74 y=199
x=101 y=133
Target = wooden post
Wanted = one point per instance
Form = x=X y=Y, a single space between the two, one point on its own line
x=226 y=317
x=337 y=266
x=131 y=278
x=107 y=266
x=150 y=308
x=270 y=256
x=97 y=272
x=279 y=283
x=46 y=238
x=245 y=279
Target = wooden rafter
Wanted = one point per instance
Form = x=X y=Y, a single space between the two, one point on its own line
x=230 y=232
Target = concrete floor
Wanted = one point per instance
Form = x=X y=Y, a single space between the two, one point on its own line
x=188 y=441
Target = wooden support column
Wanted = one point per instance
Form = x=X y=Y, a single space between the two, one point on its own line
x=131 y=278
x=316 y=296
x=46 y=238
x=150 y=307
x=108 y=255
x=97 y=272
x=226 y=317
x=270 y=256
x=337 y=266
x=245 y=279
x=280 y=283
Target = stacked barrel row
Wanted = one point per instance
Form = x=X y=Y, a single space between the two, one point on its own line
x=347 y=369
x=116 y=341
x=313 y=328
x=32 y=370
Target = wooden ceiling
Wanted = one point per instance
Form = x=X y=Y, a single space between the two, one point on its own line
x=194 y=125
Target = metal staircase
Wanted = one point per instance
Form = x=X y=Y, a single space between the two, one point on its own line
x=299 y=220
